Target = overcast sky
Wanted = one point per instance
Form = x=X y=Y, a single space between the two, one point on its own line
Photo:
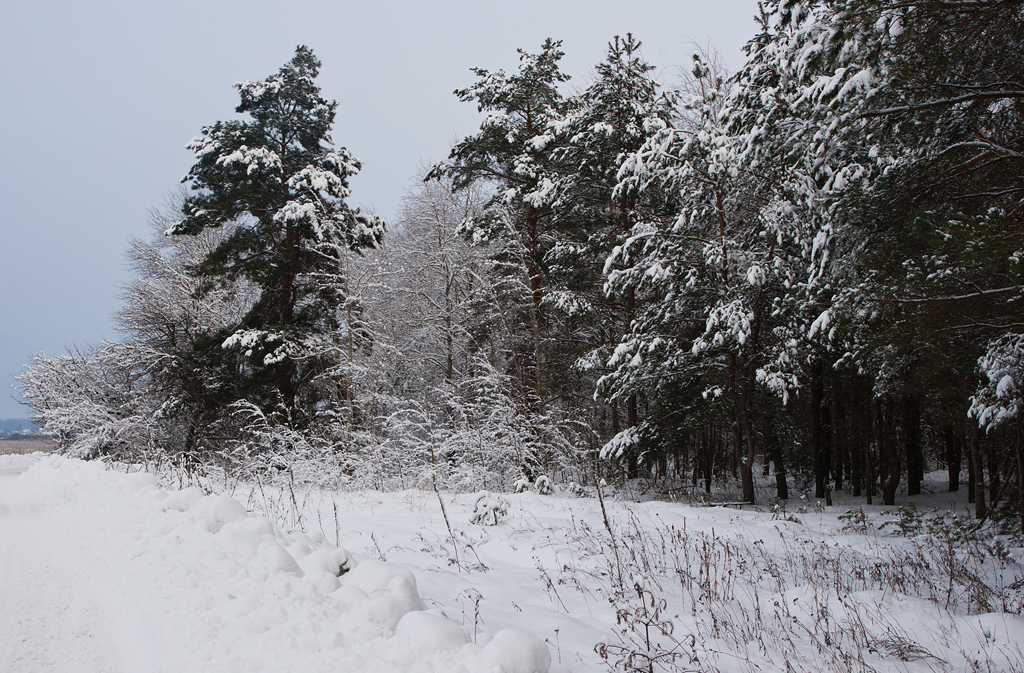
x=99 y=99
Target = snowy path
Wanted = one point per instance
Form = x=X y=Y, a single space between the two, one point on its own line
x=103 y=572
x=56 y=613
x=49 y=623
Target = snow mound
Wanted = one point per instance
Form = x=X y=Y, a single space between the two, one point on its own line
x=378 y=578
x=382 y=615
x=217 y=510
x=278 y=560
x=423 y=633
x=184 y=499
x=136 y=481
x=236 y=539
x=337 y=562
x=515 y=651
x=351 y=595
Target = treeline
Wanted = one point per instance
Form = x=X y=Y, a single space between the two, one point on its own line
x=808 y=269
x=15 y=427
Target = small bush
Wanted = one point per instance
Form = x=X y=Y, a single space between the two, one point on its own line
x=489 y=510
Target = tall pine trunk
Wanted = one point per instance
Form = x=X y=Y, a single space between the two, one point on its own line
x=889 y=455
x=980 y=511
x=953 y=453
x=1020 y=473
x=817 y=445
x=775 y=452
x=915 y=454
x=993 y=474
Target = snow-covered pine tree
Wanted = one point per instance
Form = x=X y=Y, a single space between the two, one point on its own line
x=705 y=271
x=608 y=121
x=276 y=176
x=512 y=153
x=897 y=149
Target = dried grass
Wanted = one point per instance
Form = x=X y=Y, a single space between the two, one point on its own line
x=23 y=446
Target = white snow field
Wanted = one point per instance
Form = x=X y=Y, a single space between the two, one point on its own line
x=106 y=571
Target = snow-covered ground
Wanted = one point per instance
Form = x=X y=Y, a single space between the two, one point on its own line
x=106 y=571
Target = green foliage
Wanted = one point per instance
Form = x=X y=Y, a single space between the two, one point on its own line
x=855 y=520
x=906 y=519
x=276 y=179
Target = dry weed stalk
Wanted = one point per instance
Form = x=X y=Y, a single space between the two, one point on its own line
x=699 y=601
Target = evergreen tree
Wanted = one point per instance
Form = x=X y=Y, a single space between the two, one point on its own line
x=896 y=155
x=513 y=153
x=608 y=121
x=705 y=272
x=277 y=178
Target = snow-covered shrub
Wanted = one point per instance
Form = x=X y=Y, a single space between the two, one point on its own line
x=476 y=434
x=95 y=403
x=521 y=486
x=578 y=490
x=543 y=485
x=489 y=510
x=271 y=448
x=1003 y=365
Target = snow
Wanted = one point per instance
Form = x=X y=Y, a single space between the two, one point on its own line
x=515 y=651
x=216 y=510
x=254 y=158
x=106 y=571
x=422 y=633
x=378 y=579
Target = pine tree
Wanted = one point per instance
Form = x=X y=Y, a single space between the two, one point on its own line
x=512 y=152
x=276 y=177
x=608 y=121
x=896 y=154
x=705 y=273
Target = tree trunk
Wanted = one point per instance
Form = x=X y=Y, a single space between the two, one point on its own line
x=889 y=458
x=698 y=457
x=993 y=474
x=856 y=466
x=972 y=477
x=747 y=464
x=873 y=449
x=840 y=440
x=287 y=369
x=817 y=447
x=736 y=455
x=286 y=381
x=952 y=459
x=1020 y=474
x=708 y=466
x=915 y=456
x=631 y=422
x=827 y=448
x=775 y=450
x=980 y=511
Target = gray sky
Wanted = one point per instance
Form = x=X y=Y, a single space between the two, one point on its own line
x=100 y=98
